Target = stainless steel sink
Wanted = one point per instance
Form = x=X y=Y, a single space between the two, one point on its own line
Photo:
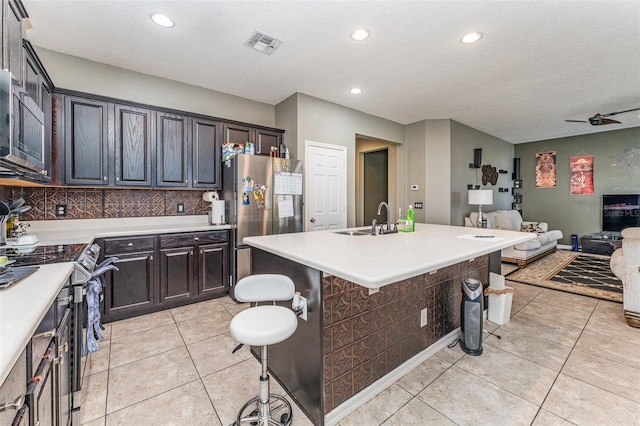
x=355 y=232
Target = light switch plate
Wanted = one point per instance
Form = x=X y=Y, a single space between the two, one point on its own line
x=423 y=317
x=414 y=187
x=180 y=208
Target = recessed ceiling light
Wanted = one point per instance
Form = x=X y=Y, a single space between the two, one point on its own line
x=360 y=34
x=471 y=38
x=162 y=20
x=356 y=90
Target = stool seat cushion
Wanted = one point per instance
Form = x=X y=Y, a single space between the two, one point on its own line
x=263 y=325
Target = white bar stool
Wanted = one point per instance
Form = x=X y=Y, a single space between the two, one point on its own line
x=262 y=326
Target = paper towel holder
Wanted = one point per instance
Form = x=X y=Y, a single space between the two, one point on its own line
x=210 y=196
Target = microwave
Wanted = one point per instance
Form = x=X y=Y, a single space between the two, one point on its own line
x=22 y=139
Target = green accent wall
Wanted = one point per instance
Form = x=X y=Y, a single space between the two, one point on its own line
x=616 y=166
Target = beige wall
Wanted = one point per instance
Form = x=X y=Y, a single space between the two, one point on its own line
x=495 y=151
x=326 y=122
x=414 y=171
x=287 y=119
x=74 y=73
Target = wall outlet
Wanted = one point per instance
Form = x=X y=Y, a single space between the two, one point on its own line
x=302 y=303
x=61 y=210
x=180 y=208
x=423 y=317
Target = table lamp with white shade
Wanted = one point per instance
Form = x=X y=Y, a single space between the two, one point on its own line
x=480 y=197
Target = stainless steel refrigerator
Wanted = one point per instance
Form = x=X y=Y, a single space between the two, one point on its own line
x=262 y=196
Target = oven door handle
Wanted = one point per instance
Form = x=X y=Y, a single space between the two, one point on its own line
x=65 y=300
x=17 y=403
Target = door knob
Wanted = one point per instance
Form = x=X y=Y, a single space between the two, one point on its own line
x=312 y=220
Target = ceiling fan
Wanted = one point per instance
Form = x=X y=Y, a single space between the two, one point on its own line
x=601 y=119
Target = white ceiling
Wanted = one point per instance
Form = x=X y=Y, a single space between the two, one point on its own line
x=539 y=62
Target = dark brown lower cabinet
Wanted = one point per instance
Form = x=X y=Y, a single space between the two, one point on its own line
x=211 y=277
x=190 y=267
x=130 y=289
x=176 y=273
x=193 y=265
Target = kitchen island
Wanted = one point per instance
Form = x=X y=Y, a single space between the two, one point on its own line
x=367 y=297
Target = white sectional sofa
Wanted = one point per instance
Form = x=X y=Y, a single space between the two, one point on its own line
x=528 y=251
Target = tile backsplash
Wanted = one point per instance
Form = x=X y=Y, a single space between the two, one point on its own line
x=96 y=203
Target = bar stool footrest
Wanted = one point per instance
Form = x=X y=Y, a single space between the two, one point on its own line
x=278 y=406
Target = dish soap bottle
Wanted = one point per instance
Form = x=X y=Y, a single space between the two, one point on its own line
x=411 y=218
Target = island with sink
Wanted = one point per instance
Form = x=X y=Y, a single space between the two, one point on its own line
x=377 y=305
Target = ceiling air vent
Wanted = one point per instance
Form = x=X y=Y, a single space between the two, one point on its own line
x=263 y=42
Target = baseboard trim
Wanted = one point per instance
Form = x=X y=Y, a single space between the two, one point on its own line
x=358 y=400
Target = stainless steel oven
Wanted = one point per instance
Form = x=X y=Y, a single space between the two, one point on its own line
x=22 y=144
x=66 y=370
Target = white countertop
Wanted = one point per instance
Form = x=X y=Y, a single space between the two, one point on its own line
x=22 y=307
x=375 y=261
x=77 y=231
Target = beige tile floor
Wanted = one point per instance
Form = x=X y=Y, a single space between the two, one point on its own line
x=561 y=360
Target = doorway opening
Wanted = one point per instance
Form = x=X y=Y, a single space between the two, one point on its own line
x=375 y=180
x=375 y=184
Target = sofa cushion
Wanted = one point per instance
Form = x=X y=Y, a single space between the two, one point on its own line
x=514 y=217
x=528 y=245
x=503 y=220
x=547 y=237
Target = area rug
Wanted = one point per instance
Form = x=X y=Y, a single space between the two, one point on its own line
x=579 y=273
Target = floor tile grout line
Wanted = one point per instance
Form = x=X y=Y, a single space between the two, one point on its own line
x=153 y=396
x=563 y=365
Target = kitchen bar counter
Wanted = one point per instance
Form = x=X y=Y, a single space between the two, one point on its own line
x=375 y=261
x=22 y=307
x=377 y=306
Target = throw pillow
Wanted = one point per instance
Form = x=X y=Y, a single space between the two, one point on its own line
x=528 y=227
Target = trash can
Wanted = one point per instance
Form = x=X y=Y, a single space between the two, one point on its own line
x=471 y=313
x=500 y=300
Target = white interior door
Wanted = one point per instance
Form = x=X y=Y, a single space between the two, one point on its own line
x=326 y=186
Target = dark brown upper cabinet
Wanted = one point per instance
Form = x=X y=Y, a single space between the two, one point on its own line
x=172 y=150
x=86 y=142
x=12 y=52
x=101 y=141
x=266 y=139
x=206 y=153
x=237 y=134
x=262 y=139
x=133 y=146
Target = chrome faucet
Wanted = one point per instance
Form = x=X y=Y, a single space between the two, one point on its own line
x=388 y=213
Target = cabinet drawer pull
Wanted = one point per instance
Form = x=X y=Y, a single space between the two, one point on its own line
x=151 y=258
x=191 y=253
x=104 y=178
x=17 y=403
x=186 y=181
x=117 y=179
x=130 y=245
x=201 y=251
x=197 y=238
x=48 y=333
x=195 y=181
